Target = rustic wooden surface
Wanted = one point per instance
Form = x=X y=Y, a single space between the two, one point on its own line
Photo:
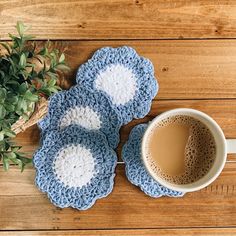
x=121 y=19
x=199 y=73
x=24 y=207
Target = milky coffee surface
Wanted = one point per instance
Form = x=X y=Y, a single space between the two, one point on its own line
x=181 y=149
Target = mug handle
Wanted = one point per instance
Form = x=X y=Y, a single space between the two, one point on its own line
x=231 y=145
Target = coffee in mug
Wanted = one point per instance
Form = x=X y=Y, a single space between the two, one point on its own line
x=185 y=149
x=180 y=149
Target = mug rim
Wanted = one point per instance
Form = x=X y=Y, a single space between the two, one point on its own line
x=179 y=187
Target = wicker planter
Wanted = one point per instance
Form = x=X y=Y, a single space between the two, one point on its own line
x=40 y=110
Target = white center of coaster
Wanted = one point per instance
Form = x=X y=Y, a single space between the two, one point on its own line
x=74 y=166
x=118 y=82
x=83 y=116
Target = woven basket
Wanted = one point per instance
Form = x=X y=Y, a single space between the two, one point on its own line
x=40 y=110
x=41 y=107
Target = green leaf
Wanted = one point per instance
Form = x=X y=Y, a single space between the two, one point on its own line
x=2 y=111
x=3 y=94
x=51 y=82
x=62 y=58
x=20 y=28
x=22 y=166
x=30 y=97
x=7 y=47
x=25 y=116
x=22 y=60
x=23 y=88
x=5 y=163
x=10 y=155
x=2 y=146
x=24 y=161
x=21 y=105
x=9 y=107
x=53 y=58
x=13 y=37
x=9 y=133
x=24 y=105
x=1 y=136
x=43 y=51
x=58 y=88
x=12 y=99
x=33 y=74
x=53 y=89
x=2 y=74
x=17 y=43
x=16 y=161
x=13 y=82
x=53 y=75
x=15 y=148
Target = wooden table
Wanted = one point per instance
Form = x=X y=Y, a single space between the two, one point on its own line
x=192 y=45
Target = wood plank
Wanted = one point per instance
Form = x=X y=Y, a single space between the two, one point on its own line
x=121 y=19
x=185 y=69
x=223 y=111
x=23 y=207
x=164 y=232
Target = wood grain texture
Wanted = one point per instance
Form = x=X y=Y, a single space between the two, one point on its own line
x=192 y=73
x=121 y=19
x=23 y=207
x=223 y=111
x=189 y=72
x=189 y=69
x=186 y=69
x=128 y=232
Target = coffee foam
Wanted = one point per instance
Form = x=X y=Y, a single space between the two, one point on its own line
x=200 y=151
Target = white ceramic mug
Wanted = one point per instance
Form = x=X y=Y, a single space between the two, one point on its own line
x=223 y=146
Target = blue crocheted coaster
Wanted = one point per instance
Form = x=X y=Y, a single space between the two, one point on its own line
x=89 y=109
x=124 y=77
x=135 y=170
x=75 y=167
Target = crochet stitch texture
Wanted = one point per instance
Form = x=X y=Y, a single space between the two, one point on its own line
x=89 y=109
x=124 y=77
x=135 y=170
x=75 y=163
x=75 y=167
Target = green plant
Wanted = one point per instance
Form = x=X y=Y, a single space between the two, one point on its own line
x=27 y=72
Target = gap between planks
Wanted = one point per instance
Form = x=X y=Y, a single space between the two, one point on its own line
x=110 y=232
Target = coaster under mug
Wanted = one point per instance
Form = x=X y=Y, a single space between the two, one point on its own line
x=135 y=169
